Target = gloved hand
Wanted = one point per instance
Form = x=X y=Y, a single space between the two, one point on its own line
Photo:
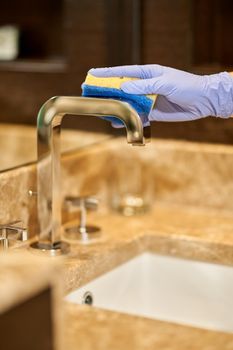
x=182 y=96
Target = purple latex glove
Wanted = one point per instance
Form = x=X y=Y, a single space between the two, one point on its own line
x=182 y=96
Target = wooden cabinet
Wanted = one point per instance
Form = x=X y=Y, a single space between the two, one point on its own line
x=61 y=39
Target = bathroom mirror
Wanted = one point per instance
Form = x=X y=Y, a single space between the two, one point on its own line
x=18 y=143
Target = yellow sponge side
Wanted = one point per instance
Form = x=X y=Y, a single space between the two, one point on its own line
x=110 y=82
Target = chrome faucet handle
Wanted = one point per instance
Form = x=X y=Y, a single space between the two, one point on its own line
x=13 y=231
x=88 y=202
x=82 y=232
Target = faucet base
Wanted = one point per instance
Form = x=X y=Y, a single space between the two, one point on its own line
x=83 y=235
x=57 y=249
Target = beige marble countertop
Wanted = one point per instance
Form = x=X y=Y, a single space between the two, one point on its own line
x=89 y=328
x=24 y=275
x=199 y=226
x=189 y=233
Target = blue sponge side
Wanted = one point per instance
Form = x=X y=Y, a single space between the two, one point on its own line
x=141 y=103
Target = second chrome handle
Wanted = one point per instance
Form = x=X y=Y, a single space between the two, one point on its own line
x=82 y=232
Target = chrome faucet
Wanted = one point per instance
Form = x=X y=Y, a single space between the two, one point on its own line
x=48 y=167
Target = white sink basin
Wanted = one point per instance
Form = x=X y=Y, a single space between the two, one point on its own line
x=166 y=288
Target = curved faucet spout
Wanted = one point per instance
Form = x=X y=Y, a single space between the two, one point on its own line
x=55 y=108
x=48 y=169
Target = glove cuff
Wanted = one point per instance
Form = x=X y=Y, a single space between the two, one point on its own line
x=221 y=94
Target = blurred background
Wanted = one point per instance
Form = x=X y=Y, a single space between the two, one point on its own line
x=47 y=47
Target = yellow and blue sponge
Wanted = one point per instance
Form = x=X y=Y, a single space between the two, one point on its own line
x=110 y=87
